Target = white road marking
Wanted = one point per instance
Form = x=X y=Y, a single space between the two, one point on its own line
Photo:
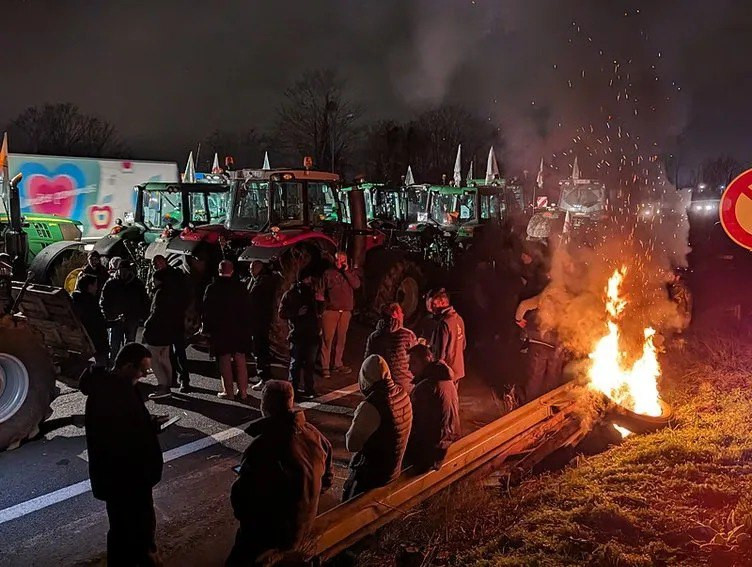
x=73 y=490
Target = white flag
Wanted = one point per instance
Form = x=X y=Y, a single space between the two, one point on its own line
x=266 y=162
x=470 y=175
x=409 y=179
x=539 y=180
x=215 y=165
x=4 y=163
x=457 y=179
x=567 y=224
x=189 y=176
x=492 y=168
x=575 y=169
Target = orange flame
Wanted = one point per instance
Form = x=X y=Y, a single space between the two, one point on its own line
x=635 y=387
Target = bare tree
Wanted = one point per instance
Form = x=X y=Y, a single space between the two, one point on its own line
x=719 y=170
x=62 y=129
x=384 y=151
x=317 y=118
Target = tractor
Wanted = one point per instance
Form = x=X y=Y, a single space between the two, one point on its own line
x=306 y=224
x=40 y=338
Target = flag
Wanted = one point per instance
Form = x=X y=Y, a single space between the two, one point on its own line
x=215 y=165
x=409 y=179
x=539 y=180
x=567 y=224
x=457 y=179
x=190 y=170
x=575 y=169
x=469 y=181
x=4 y=163
x=492 y=168
x=266 y=162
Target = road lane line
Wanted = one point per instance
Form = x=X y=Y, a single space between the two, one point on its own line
x=40 y=502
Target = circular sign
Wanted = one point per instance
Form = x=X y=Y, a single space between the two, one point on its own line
x=736 y=210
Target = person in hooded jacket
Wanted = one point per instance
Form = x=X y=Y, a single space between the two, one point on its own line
x=125 y=304
x=226 y=319
x=125 y=458
x=379 y=430
x=436 y=414
x=448 y=340
x=392 y=341
x=86 y=308
x=285 y=468
x=94 y=267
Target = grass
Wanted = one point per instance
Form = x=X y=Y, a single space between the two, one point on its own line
x=681 y=496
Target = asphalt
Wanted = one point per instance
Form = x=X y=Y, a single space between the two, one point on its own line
x=49 y=517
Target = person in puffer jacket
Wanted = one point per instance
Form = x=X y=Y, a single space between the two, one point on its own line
x=379 y=431
x=392 y=341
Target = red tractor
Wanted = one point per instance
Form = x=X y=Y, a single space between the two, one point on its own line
x=308 y=220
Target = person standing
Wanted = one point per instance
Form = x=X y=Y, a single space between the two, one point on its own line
x=226 y=320
x=339 y=285
x=448 y=341
x=176 y=283
x=285 y=468
x=86 y=308
x=94 y=267
x=300 y=309
x=379 y=431
x=436 y=414
x=162 y=329
x=125 y=304
x=262 y=290
x=392 y=341
x=125 y=458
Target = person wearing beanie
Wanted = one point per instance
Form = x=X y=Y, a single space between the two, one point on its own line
x=379 y=431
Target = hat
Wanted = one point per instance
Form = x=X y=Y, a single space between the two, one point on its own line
x=374 y=369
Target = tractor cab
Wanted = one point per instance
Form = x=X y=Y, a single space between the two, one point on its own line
x=446 y=208
x=387 y=207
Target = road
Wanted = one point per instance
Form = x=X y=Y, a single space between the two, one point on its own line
x=49 y=517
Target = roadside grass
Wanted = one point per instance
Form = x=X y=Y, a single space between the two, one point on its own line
x=681 y=496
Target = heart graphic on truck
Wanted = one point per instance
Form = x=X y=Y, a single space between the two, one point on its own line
x=53 y=191
x=100 y=216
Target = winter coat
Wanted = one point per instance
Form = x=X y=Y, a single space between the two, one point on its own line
x=449 y=341
x=227 y=316
x=262 y=291
x=339 y=287
x=392 y=341
x=86 y=308
x=100 y=272
x=300 y=309
x=166 y=323
x=121 y=437
x=124 y=298
x=436 y=418
x=282 y=473
x=380 y=427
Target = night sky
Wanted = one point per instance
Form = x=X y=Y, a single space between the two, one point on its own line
x=167 y=73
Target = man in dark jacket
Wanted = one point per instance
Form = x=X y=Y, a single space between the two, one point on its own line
x=340 y=283
x=392 y=341
x=287 y=465
x=436 y=414
x=94 y=267
x=176 y=282
x=226 y=319
x=262 y=290
x=125 y=459
x=379 y=431
x=86 y=308
x=448 y=341
x=164 y=326
x=125 y=304
x=300 y=309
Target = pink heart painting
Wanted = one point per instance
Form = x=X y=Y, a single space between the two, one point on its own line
x=51 y=195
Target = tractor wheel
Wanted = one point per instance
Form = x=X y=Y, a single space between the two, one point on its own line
x=396 y=278
x=27 y=385
x=61 y=270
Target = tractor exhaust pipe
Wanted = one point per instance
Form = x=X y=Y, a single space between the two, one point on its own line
x=359 y=233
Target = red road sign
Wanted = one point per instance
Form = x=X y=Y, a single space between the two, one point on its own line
x=541 y=202
x=736 y=210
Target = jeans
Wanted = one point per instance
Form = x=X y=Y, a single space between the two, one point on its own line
x=179 y=360
x=544 y=366
x=130 y=539
x=334 y=325
x=161 y=365
x=303 y=362
x=122 y=331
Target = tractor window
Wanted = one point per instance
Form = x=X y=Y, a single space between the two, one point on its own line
x=388 y=205
x=162 y=208
x=199 y=214
x=250 y=209
x=322 y=204
x=466 y=207
x=218 y=207
x=288 y=203
x=417 y=203
x=444 y=209
x=491 y=207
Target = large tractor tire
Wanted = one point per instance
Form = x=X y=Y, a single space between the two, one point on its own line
x=391 y=276
x=27 y=385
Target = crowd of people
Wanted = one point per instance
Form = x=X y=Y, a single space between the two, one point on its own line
x=408 y=418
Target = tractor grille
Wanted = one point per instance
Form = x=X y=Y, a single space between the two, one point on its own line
x=42 y=230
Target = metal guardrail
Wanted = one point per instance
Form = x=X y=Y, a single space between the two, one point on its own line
x=529 y=432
